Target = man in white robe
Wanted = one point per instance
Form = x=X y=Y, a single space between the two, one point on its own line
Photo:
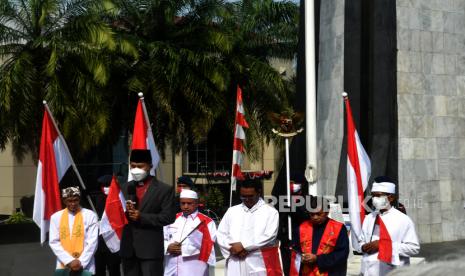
x=388 y=236
x=247 y=232
x=189 y=241
x=83 y=258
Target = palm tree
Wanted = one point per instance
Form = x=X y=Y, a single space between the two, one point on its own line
x=179 y=69
x=261 y=30
x=193 y=53
x=54 y=50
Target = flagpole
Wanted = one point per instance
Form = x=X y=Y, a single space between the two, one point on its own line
x=288 y=189
x=310 y=98
x=69 y=155
x=149 y=127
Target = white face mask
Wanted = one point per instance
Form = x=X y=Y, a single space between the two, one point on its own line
x=139 y=174
x=380 y=202
x=106 y=190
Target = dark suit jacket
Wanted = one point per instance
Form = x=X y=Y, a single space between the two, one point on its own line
x=144 y=239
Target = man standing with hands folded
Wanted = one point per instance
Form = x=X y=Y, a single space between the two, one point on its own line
x=150 y=205
x=247 y=235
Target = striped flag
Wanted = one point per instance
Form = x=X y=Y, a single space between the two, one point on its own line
x=113 y=218
x=358 y=174
x=54 y=161
x=239 y=137
x=142 y=136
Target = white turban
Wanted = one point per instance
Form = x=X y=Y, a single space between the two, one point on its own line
x=188 y=194
x=384 y=187
x=71 y=191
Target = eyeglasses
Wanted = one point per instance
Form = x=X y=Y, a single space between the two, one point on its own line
x=250 y=197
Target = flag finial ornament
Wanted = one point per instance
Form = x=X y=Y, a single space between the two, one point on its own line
x=140 y=94
x=44 y=102
x=345 y=95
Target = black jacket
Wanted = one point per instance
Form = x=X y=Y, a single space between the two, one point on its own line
x=144 y=239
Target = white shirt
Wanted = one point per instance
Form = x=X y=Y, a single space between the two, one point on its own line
x=90 y=221
x=188 y=262
x=404 y=239
x=254 y=228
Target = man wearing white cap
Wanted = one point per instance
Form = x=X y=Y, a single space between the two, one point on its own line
x=189 y=241
x=388 y=236
x=74 y=234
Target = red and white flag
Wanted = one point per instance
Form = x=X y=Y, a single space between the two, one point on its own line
x=358 y=174
x=54 y=161
x=113 y=218
x=142 y=136
x=239 y=137
x=296 y=259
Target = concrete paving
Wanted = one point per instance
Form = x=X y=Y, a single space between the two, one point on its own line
x=33 y=259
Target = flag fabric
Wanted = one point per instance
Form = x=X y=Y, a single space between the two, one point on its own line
x=239 y=137
x=113 y=218
x=142 y=136
x=296 y=259
x=54 y=161
x=358 y=174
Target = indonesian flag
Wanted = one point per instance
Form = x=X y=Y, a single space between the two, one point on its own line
x=113 y=218
x=54 y=161
x=142 y=137
x=358 y=174
x=239 y=137
x=296 y=259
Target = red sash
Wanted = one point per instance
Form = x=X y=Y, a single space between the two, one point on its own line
x=327 y=243
x=385 y=243
x=207 y=244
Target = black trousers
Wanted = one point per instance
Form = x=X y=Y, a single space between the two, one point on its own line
x=142 y=267
x=104 y=260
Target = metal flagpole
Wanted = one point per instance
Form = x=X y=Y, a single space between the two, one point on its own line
x=310 y=99
x=288 y=131
x=69 y=155
x=288 y=181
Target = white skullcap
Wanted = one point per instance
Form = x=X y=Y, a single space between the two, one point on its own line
x=295 y=187
x=384 y=187
x=71 y=191
x=188 y=194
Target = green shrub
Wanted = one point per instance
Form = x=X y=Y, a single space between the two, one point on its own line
x=18 y=217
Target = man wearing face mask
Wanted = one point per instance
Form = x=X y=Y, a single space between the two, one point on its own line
x=247 y=235
x=388 y=236
x=149 y=207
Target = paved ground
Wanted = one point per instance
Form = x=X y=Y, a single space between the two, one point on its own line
x=33 y=259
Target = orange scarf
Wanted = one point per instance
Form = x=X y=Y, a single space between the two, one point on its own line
x=74 y=243
x=327 y=243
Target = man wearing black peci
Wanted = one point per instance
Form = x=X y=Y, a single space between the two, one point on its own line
x=150 y=205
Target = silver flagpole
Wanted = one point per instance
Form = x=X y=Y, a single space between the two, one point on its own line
x=69 y=155
x=288 y=189
x=289 y=133
x=310 y=99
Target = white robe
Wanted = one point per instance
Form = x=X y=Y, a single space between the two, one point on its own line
x=404 y=239
x=188 y=262
x=90 y=221
x=255 y=228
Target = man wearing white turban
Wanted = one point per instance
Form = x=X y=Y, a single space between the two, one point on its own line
x=189 y=241
x=73 y=235
x=388 y=236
